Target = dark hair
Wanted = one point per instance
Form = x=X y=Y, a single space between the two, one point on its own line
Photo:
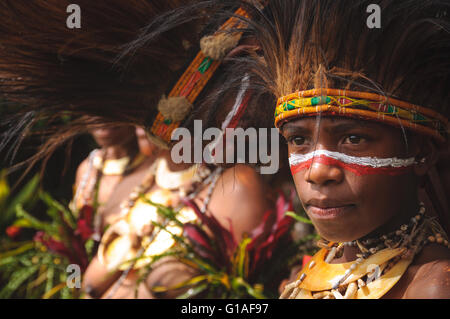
x=96 y=74
x=326 y=43
x=307 y=44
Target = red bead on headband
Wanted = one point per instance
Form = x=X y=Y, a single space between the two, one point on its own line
x=364 y=105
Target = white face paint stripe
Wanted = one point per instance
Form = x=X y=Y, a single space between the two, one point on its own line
x=375 y=162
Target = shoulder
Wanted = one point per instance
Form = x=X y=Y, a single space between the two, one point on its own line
x=430 y=274
x=241 y=178
x=244 y=185
x=242 y=197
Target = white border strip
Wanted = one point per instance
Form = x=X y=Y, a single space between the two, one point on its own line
x=375 y=162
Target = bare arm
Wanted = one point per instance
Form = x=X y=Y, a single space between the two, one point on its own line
x=242 y=197
x=432 y=281
x=97 y=280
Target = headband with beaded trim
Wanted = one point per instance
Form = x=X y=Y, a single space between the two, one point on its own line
x=361 y=104
x=179 y=102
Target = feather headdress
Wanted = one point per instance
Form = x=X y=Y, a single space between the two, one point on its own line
x=74 y=78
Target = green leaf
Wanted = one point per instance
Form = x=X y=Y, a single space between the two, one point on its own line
x=52 y=203
x=242 y=256
x=203 y=265
x=177 y=238
x=50 y=275
x=65 y=293
x=240 y=282
x=189 y=282
x=299 y=218
x=23 y=223
x=26 y=197
x=154 y=258
x=16 y=251
x=7 y=260
x=4 y=189
x=89 y=247
x=17 y=279
x=36 y=223
x=192 y=292
x=54 y=290
x=163 y=210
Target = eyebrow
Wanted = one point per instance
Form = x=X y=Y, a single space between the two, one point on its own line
x=291 y=128
x=344 y=127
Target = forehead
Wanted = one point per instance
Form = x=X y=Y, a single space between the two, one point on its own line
x=332 y=123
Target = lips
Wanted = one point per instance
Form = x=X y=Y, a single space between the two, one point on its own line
x=327 y=209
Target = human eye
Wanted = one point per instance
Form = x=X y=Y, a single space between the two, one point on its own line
x=354 y=139
x=296 y=140
x=358 y=141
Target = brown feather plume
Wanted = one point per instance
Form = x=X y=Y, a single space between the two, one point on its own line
x=48 y=71
x=307 y=44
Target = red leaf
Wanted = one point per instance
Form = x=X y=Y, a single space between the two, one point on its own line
x=53 y=245
x=86 y=213
x=77 y=256
x=226 y=243
x=199 y=239
x=83 y=230
x=265 y=242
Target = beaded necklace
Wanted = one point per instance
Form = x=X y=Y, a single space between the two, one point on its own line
x=202 y=176
x=87 y=191
x=376 y=270
x=81 y=189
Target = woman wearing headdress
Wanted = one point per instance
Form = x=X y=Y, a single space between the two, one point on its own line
x=364 y=112
x=131 y=243
x=54 y=71
x=105 y=167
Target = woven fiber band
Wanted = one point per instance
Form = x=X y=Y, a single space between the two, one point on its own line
x=361 y=104
x=191 y=83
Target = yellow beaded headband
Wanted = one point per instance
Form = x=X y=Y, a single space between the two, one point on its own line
x=174 y=108
x=363 y=105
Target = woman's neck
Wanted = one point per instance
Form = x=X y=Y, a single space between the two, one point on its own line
x=174 y=167
x=403 y=217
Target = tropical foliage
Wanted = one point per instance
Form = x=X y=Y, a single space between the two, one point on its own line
x=251 y=268
x=34 y=264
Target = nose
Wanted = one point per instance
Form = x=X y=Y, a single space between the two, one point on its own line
x=324 y=174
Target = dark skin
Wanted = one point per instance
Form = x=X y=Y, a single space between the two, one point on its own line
x=121 y=191
x=240 y=197
x=118 y=141
x=96 y=279
x=367 y=205
x=239 y=192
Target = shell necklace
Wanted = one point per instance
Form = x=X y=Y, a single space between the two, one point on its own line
x=379 y=266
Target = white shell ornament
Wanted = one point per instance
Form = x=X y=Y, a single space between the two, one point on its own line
x=174 y=108
x=218 y=45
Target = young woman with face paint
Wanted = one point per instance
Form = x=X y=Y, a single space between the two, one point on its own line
x=365 y=116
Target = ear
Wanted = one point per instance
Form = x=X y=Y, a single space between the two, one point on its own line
x=427 y=157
